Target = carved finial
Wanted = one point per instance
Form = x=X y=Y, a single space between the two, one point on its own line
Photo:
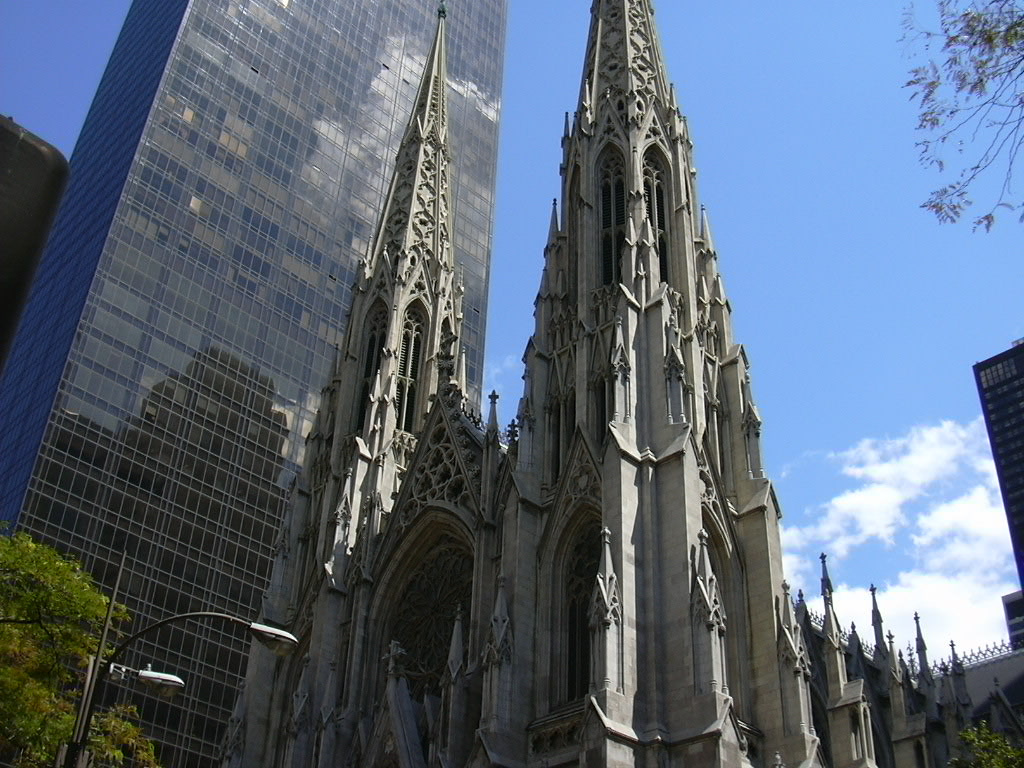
x=705 y=228
x=442 y=10
x=922 y=649
x=395 y=651
x=492 y=415
x=876 y=622
x=826 y=581
x=455 y=646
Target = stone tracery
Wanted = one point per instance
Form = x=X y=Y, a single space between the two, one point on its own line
x=436 y=591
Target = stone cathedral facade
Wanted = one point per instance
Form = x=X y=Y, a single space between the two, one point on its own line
x=601 y=585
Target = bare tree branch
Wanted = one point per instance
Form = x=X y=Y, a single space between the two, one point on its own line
x=971 y=93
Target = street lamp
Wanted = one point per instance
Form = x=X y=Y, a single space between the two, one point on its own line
x=277 y=640
x=160 y=683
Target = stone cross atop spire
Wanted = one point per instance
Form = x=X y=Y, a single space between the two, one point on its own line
x=624 y=63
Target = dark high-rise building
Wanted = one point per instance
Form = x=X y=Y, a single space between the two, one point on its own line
x=1000 y=382
x=186 y=313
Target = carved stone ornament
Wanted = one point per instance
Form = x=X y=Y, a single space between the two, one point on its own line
x=436 y=477
x=583 y=485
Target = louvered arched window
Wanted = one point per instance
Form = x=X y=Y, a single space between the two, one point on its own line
x=613 y=218
x=655 y=201
x=410 y=353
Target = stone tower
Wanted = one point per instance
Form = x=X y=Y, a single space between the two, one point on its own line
x=601 y=585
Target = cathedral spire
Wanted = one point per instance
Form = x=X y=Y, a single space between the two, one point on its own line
x=431 y=101
x=624 y=64
x=415 y=222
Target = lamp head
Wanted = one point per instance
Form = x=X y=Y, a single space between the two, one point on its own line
x=161 y=683
x=280 y=642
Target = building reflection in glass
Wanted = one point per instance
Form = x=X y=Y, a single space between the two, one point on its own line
x=183 y=487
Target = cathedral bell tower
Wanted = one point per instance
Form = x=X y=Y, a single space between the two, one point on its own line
x=400 y=346
x=661 y=618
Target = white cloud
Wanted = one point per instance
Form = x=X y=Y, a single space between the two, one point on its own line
x=893 y=473
x=933 y=495
x=505 y=377
x=968 y=532
x=798 y=569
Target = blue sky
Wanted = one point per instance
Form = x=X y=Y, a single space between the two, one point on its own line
x=860 y=313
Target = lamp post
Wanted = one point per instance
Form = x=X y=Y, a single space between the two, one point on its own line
x=277 y=640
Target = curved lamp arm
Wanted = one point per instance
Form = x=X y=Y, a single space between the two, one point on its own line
x=278 y=640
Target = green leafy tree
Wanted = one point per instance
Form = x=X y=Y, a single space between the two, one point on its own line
x=51 y=615
x=970 y=95
x=983 y=748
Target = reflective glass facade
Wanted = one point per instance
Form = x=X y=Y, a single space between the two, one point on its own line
x=226 y=183
x=1000 y=382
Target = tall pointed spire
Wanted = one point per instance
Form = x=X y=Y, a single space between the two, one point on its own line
x=431 y=111
x=881 y=649
x=624 y=64
x=924 y=670
x=826 y=581
x=417 y=212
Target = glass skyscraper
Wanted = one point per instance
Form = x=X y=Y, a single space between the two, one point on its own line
x=1000 y=381
x=224 y=188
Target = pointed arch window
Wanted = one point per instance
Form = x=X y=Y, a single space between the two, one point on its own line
x=436 y=592
x=375 y=331
x=410 y=353
x=655 y=199
x=613 y=218
x=584 y=556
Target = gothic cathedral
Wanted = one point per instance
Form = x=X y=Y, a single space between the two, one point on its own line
x=601 y=585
